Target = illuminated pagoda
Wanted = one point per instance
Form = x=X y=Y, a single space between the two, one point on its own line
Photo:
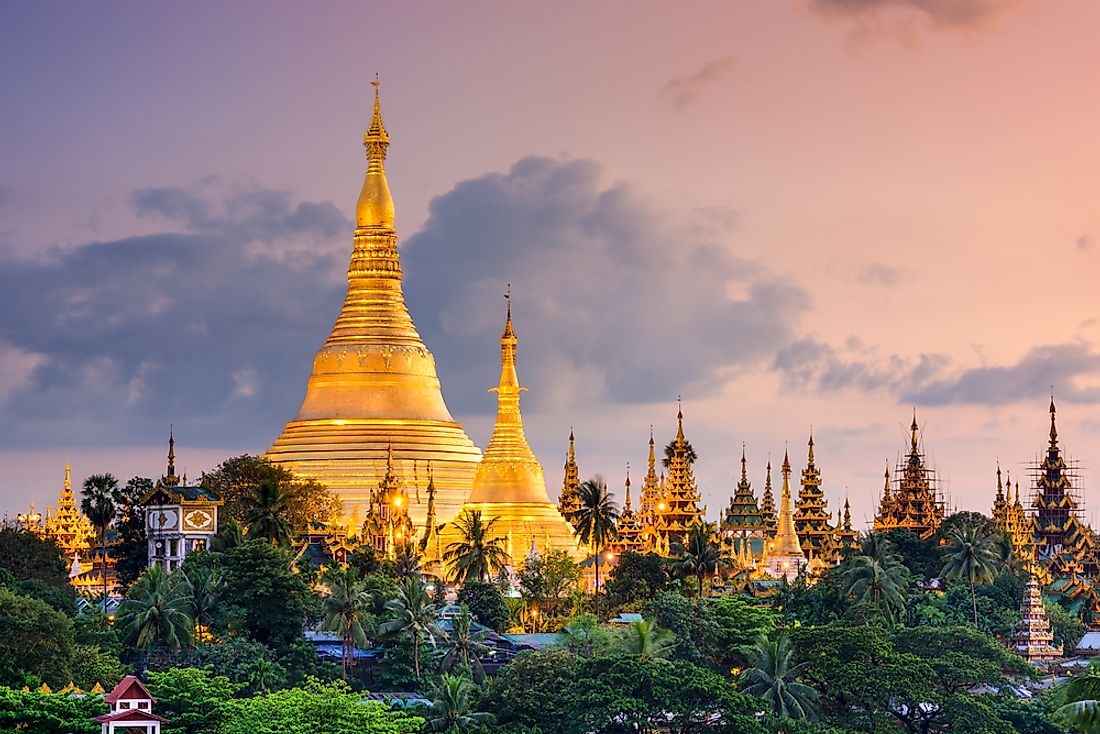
x=914 y=502
x=783 y=556
x=742 y=521
x=70 y=529
x=651 y=502
x=431 y=546
x=509 y=486
x=811 y=517
x=677 y=507
x=569 y=501
x=767 y=505
x=630 y=530
x=1061 y=538
x=845 y=536
x=1008 y=517
x=374 y=386
x=388 y=525
x=1033 y=638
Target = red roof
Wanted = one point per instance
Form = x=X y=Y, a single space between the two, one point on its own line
x=128 y=689
x=129 y=715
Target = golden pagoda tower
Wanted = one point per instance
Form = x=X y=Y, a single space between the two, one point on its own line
x=846 y=536
x=742 y=521
x=374 y=382
x=630 y=531
x=783 y=556
x=767 y=505
x=71 y=530
x=509 y=486
x=430 y=545
x=569 y=502
x=1001 y=508
x=914 y=504
x=1023 y=535
x=1033 y=639
x=678 y=506
x=811 y=517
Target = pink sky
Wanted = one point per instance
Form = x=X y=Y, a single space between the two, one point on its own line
x=925 y=172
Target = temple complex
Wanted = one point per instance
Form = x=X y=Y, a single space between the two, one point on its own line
x=811 y=517
x=783 y=556
x=374 y=385
x=509 y=486
x=914 y=503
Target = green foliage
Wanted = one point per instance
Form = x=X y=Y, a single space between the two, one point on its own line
x=413 y=616
x=156 y=611
x=774 y=678
x=63 y=599
x=645 y=640
x=738 y=622
x=26 y=556
x=971 y=556
x=190 y=698
x=347 y=605
x=237 y=479
x=636 y=577
x=37 y=713
x=267 y=599
x=465 y=647
x=92 y=628
x=266 y=513
x=695 y=629
x=452 y=706
x=700 y=554
x=547 y=580
x=486 y=603
x=1067 y=627
x=478 y=553
x=131 y=549
x=236 y=659
x=36 y=642
x=91 y=665
x=921 y=557
x=331 y=708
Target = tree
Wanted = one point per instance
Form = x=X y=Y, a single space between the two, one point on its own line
x=774 y=678
x=407 y=561
x=237 y=479
x=486 y=604
x=131 y=547
x=636 y=576
x=670 y=448
x=237 y=658
x=202 y=586
x=98 y=505
x=332 y=708
x=36 y=641
x=27 y=556
x=266 y=513
x=1080 y=701
x=229 y=536
x=263 y=595
x=465 y=646
x=414 y=617
x=545 y=580
x=452 y=707
x=478 y=553
x=190 y=698
x=879 y=582
x=970 y=556
x=346 y=611
x=595 y=523
x=699 y=553
x=695 y=629
x=738 y=623
x=646 y=640
x=156 y=611
x=31 y=712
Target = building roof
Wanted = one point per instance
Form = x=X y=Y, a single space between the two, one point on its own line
x=534 y=641
x=126 y=690
x=1090 y=642
x=134 y=715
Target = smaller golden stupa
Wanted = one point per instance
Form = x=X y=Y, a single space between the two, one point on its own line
x=509 y=486
x=783 y=556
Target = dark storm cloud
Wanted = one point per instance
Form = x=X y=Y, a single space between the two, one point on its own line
x=812 y=366
x=683 y=90
x=944 y=13
x=613 y=299
x=1059 y=365
x=188 y=326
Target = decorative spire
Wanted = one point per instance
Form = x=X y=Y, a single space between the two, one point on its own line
x=652 y=458
x=847 y=524
x=744 y=470
x=914 y=429
x=1053 y=428
x=171 y=451
x=68 y=480
x=375 y=207
x=810 y=458
x=679 y=422
x=786 y=539
x=626 y=505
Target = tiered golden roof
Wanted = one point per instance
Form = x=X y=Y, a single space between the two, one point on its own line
x=509 y=485
x=914 y=504
x=742 y=520
x=388 y=526
x=569 y=501
x=845 y=536
x=630 y=534
x=767 y=505
x=374 y=382
x=677 y=507
x=783 y=556
x=1033 y=638
x=1009 y=517
x=70 y=529
x=811 y=517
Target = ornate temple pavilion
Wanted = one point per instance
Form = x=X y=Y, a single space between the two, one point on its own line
x=374 y=382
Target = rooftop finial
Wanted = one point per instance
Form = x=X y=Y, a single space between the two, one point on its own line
x=171 y=450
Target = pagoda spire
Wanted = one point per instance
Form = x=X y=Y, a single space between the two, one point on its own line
x=652 y=470
x=914 y=430
x=810 y=455
x=569 y=501
x=1053 y=427
x=744 y=466
x=767 y=504
x=626 y=504
x=375 y=207
x=786 y=539
x=171 y=452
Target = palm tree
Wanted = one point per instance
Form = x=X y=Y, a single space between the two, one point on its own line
x=465 y=646
x=414 y=615
x=646 y=640
x=595 y=522
x=670 y=449
x=203 y=588
x=346 y=607
x=699 y=553
x=266 y=513
x=407 y=560
x=229 y=536
x=478 y=553
x=155 y=612
x=879 y=581
x=98 y=504
x=1080 y=698
x=773 y=678
x=971 y=556
x=451 y=704
x=262 y=675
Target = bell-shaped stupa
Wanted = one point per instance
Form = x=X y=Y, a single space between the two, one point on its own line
x=374 y=383
x=509 y=486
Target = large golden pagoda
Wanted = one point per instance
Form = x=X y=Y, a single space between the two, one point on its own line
x=509 y=486
x=374 y=383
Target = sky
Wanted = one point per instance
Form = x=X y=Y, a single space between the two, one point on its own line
x=797 y=215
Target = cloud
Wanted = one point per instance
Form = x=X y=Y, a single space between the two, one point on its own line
x=683 y=90
x=208 y=324
x=809 y=365
x=957 y=14
x=614 y=300
x=878 y=274
x=1065 y=366
x=1084 y=243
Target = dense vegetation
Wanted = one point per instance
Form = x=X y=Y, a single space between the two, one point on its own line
x=873 y=645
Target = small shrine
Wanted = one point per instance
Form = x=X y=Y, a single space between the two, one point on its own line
x=131 y=709
x=1033 y=639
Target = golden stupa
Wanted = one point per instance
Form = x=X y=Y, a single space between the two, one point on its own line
x=374 y=383
x=509 y=485
x=783 y=555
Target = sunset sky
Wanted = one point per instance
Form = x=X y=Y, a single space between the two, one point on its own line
x=792 y=213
